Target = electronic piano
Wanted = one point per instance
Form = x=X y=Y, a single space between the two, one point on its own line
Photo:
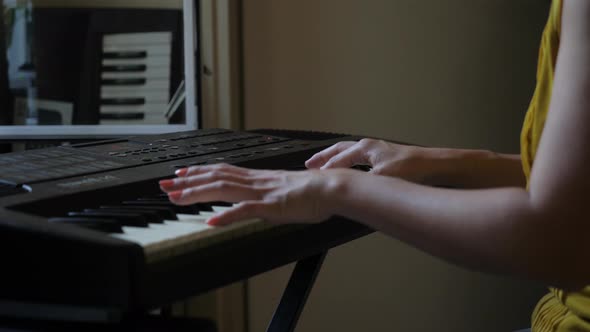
x=86 y=226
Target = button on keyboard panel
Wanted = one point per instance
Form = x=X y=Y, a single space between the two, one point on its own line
x=34 y=166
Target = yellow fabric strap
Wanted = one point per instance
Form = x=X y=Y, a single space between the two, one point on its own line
x=537 y=112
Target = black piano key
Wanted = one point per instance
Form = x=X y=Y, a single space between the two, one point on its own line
x=123 y=81
x=154 y=199
x=97 y=224
x=198 y=206
x=125 y=68
x=122 y=116
x=150 y=216
x=363 y=168
x=125 y=55
x=165 y=213
x=206 y=207
x=220 y=203
x=122 y=101
x=176 y=208
x=173 y=208
x=125 y=219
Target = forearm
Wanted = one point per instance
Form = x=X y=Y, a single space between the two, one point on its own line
x=495 y=230
x=461 y=168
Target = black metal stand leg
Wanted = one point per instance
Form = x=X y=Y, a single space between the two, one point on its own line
x=302 y=279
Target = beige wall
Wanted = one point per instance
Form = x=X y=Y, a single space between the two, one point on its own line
x=453 y=72
x=445 y=73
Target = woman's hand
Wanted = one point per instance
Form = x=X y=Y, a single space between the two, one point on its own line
x=276 y=196
x=385 y=158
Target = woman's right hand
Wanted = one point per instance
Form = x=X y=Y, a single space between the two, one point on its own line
x=385 y=158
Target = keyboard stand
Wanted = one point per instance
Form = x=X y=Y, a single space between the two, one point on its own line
x=293 y=300
x=284 y=319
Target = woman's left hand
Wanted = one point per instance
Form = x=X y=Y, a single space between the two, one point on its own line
x=276 y=196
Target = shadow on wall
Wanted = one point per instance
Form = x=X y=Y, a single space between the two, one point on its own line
x=447 y=73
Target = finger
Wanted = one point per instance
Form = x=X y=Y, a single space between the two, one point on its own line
x=321 y=158
x=217 y=191
x=242 y=212
x=348 y=158
x=182 y=183
x=196 y=170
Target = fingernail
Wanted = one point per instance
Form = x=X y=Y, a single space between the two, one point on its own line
x=212 y=221
x=166 y=183
x=175 y=195
x=182 y=172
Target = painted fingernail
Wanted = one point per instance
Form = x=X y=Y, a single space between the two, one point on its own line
x=212 y=221
x=182 y=172
x=166 y=183
x=175 y=195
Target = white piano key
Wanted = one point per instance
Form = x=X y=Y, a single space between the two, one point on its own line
x=150 y=61
x=218 y=209
x=158 y=239
x=147 y=109
x=193 y=217
x=150 y=86
x=181 y=237
x=138 y=235
x=189 y=232
x=149 y=98
x=149 y=236
x=158 y=73
x=141 y=38
x=207 y=214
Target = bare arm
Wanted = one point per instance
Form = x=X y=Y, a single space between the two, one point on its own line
x=457 y=168
x=540 y=234
x=472 y=169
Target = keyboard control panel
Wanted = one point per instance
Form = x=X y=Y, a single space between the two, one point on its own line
x=70 y=161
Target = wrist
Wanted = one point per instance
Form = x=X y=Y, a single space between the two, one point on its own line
x=428 y=166
x=336 y=188
x=446 y=166
x=457 y=167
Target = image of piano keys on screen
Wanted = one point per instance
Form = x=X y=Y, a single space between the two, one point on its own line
x=135 y=78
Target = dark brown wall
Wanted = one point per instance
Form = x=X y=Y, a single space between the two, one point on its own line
x=5 y=101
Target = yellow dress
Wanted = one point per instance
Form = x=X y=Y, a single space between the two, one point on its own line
x=558 y=311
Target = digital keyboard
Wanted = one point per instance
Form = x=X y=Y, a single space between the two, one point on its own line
x=86 y=226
